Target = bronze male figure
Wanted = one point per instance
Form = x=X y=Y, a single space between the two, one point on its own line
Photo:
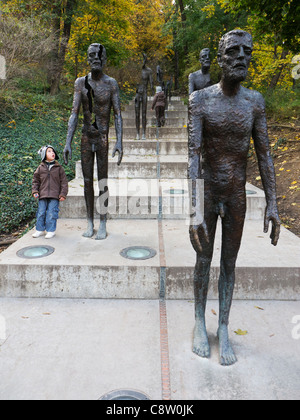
x=141 y=99
x=201 y=78
x=222 y=119
x=97 y=93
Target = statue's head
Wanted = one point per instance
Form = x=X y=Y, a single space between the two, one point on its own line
x=234 y=56
x=205 y=58
x=97 y=57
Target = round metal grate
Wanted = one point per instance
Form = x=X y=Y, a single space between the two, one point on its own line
x=124 y=394
x=32 y=252
x=138 y=253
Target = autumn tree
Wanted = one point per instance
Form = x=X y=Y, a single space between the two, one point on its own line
x=274 y=23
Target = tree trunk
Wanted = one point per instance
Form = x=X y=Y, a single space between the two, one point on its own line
x=276 y=77
x=52 y=69
x=183 y=20
x=63 y=40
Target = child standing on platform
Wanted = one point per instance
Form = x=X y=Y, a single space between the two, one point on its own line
x=50 y=186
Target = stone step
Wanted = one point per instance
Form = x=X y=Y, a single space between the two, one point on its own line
x=148 y=199
x=180 y=122
x=171 y=133
x=83 y=268
x=182 y=115
x=152 y=147
x=146 y=167
x=172 y=106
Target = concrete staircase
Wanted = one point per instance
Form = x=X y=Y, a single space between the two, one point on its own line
x=149 y=206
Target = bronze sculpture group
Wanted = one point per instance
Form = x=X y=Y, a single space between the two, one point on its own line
x=222 y=119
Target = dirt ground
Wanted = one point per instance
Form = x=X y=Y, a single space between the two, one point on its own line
x=285 y=146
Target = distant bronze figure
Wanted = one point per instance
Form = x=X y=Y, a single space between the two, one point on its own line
x=141 y=99
x=159 y=76
x=169 y=86
x=98 y=94
x=201 y=79
x=222 y=119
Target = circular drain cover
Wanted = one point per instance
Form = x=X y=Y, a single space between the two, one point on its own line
x=138 y=253
x=32 y=252
x=124 y=394
x=250 y=192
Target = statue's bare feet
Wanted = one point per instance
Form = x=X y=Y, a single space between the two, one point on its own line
x=102 y=234
x=201 y=345
x=90 y=230
x=227 y=355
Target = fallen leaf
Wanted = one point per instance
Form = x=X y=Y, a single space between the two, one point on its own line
x=214 y=312
x=258 y=307
x=46 y=313
x=240 y=332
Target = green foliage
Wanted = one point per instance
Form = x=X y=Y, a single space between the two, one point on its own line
x=21 y=138
x=283 y=104
x=279 y=18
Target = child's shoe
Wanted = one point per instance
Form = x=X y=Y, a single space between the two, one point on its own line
x=50 y=235
x=37 y=234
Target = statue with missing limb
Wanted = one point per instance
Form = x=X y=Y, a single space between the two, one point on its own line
x=142 y=99
x=201 y=78
x=97 y=93
x=222 y=119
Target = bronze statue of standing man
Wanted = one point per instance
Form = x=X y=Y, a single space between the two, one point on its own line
x=98 y=94
x=141 y=99
x=201 y=78
x=222 y=119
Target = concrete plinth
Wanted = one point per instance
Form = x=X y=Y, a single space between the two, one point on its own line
x=85 y=268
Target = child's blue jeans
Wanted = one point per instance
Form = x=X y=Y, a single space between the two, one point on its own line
x=47 y=215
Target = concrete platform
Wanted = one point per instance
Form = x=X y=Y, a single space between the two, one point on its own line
x=58 y=349
x=85 y=268
x=140 y=199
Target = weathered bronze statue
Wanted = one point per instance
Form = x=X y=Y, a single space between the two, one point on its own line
x=97 y=93
x=142 y=99
x=222 y=119
x=159 y=76
x=201 y=79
